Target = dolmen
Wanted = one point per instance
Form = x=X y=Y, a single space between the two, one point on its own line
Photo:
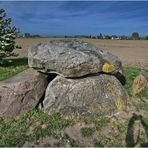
x=81 y=78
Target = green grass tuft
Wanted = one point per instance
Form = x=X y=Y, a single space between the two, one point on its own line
x=71 y=141
x=142 y=106
x=99 y=124
x=11 y=67
x=130 y=74
x=86 y=132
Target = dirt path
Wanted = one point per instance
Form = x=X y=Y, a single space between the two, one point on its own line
x=131 y=52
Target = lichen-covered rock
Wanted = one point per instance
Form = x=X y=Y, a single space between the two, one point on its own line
x=72 y=58
x=21 y=92
x=145 y=74
x=95 y=95
x=140 y=82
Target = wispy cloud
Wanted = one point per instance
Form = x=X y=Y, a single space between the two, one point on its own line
x=78 y=17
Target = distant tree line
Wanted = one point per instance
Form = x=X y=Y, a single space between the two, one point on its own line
x=28 y=35
x=133 y=36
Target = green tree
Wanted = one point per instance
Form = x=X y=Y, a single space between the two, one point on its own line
x=135 y=36
x=27 y=35
x=8 y=35
x=146 y=37
x=100 y=36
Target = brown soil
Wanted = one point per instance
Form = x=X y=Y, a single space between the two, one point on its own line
x=131 y=52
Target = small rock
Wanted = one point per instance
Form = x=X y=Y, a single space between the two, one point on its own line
x=47 y=140
x=44 y=126
x=105 y=131
x=139 y=84
x=74 y=133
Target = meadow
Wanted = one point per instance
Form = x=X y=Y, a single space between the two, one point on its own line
x=35 y=128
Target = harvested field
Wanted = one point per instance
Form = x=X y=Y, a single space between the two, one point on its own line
x=132 y=52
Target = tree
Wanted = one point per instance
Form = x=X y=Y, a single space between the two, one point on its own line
x=8 y=35
x=135 y=36
x=146 y=37
x=100 y=36
x=107 y=37
x=27 y=35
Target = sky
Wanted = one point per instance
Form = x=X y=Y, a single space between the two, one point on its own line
x=78 y=17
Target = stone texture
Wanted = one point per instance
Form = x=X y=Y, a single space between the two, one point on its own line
x=21 y=92
x=70 y=58
x=140 y=83
x=144 y=73
x=96 y=95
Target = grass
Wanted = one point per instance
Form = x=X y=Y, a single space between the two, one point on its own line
x=86 y=132
x=13 y=132
x=11 y=67
x=130 y=74
x=142 y=106
x=35 y=124
x=70 y=141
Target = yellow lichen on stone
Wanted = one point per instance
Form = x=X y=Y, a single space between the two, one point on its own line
x=139 y=84
x=107 y=68
x=118 y=103
x=108 y=87
x=126 y=100
x=103 y=109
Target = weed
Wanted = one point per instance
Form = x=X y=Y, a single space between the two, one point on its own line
x=101 y=123
x=97 y=143
x=142 y=106
x=86 y=132
x=130 y=74
x=71 y=141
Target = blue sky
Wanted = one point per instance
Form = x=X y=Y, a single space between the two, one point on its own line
x=79 y=17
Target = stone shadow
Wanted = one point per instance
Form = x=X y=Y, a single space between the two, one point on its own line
x=130 y=141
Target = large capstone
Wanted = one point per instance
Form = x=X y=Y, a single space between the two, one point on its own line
x=96 y=95
x=71 y=58
x=21 y=92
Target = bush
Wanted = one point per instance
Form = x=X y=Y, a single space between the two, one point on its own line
x=8 y=35
x=135 y=36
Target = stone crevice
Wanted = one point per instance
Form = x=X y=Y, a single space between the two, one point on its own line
x=50 y=77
